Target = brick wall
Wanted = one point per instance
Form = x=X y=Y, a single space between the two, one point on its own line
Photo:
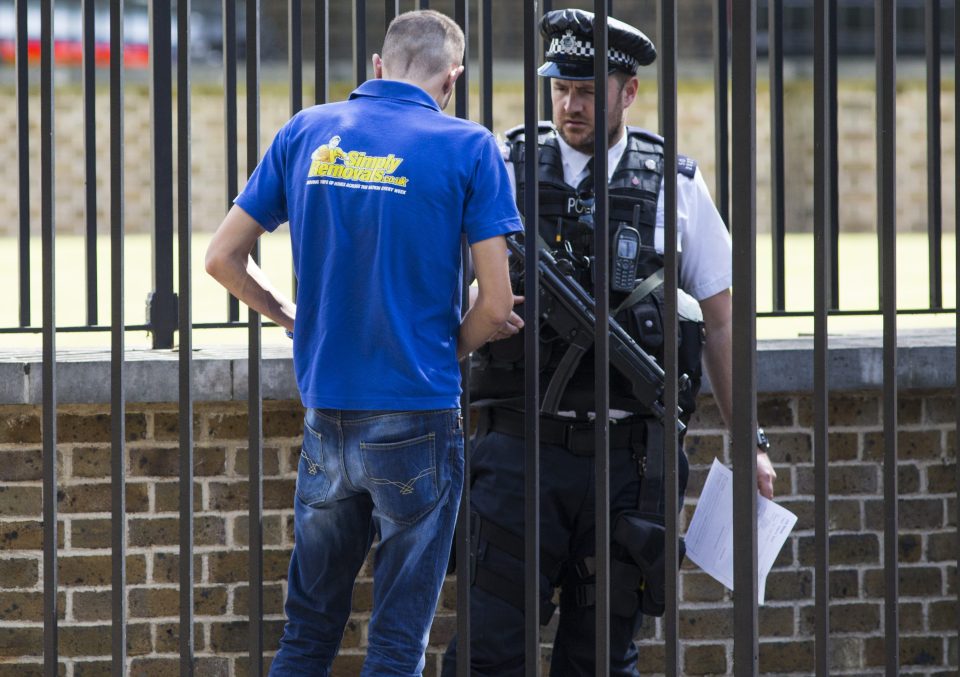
x=856 y=150
x=928 y=547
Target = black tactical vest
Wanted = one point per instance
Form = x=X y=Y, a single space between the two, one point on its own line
x=566 y=222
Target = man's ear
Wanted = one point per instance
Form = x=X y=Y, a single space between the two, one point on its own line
x=452 y=78
x=630 y=89
x=377 y=67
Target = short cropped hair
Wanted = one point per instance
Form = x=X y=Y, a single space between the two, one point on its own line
x=421 y=44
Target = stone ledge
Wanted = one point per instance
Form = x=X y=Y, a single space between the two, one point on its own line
x=925 y=360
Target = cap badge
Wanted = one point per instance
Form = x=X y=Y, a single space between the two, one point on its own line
x=568 y=44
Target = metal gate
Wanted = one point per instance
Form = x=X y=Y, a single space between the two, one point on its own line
x=735 y=67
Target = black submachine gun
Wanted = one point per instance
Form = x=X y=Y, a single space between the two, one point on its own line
x=571 y=312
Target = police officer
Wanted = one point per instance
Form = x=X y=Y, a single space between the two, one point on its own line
x=635 y=168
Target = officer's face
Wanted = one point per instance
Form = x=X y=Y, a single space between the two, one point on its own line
x=573 y=109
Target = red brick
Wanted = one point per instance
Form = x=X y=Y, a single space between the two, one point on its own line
x=85 y=428
x=19 y=572
x=227 y=426
x=271 y=461
x=705 y=659
x=844 y=446
x=210 y=600
x=776 y=621
x=159 y=531
x=18 y=501
x=19 y=465
x=90 y=570
x=18 y=606
x=844 y=549
x=77 y=640
x=909 y=410
x=913 y=651
x=168 y=640
x=786 y=657
x=17 y=642
x=912 y=445
x=942 y=478
x=789 y=585
x=91 y=533
x=231 y=567
x=228 y=496
x=18 y=428
x=940 y=409
x=790 y=447
x=167 y=496
x=913 y=582
x=91 y=462
x=77 y=498
x=706 y=623
x=855 y=410
x=698 y=587
x=272 y=530
x=286 y=422
x=21 y=535
x=92 y=605
x=166 y=567
x=166 y=426
x=234 y=637
x=272 y=599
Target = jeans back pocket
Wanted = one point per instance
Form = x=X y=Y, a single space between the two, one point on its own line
x=402 y=477
x=312 y=481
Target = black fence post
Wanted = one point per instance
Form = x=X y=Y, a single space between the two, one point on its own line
x=162 y=302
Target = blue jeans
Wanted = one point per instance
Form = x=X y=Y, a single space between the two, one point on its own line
x=363 y=474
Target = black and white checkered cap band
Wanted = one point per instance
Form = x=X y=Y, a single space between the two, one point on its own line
x=570 y=45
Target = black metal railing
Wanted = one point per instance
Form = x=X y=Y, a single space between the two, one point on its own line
x=170 y=310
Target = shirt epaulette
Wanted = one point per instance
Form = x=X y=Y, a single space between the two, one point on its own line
x=514 y=133
x=686 y=166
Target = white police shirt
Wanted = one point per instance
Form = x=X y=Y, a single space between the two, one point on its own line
x=702 y=237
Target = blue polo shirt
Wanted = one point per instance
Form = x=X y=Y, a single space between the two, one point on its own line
x=378 y=191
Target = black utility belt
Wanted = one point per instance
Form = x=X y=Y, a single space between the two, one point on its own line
x=576 y=436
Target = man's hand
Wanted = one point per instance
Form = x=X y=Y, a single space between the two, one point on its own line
x=765 y=475
x=513 y=324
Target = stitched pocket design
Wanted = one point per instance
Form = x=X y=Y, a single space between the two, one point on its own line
x=402 y=477
x=312 y=481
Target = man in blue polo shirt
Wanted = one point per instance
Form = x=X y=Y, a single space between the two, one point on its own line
x=378 y=191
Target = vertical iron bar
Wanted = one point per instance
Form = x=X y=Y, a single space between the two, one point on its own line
x=424 y=4
x=721 y=83
x=671 y=439
x=185 y=356
x=824 y=187
x=485 y=40
x=546 y=101
x=390 y=10
x=295 y=55
x=230 y=122
x=886 y=24
x=321 y=51
x=461 y=15
x=254 y=352
x=777 y=181
x=463 y=534
x=833 y=126
x=744 y=227
x=601 y=248
x=531 y=346
x=90 y=156
x=118 y=466
x=360 y=40
x=48 y=234
x=162 y=303
x=23 y=161
x=956 y=229
x=934 y=199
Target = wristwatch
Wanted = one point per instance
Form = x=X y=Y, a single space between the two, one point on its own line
x=763 y=443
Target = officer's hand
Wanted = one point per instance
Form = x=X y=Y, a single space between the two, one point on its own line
x=765 y=475
x=512 y=326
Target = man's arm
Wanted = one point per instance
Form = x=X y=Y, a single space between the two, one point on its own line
x=494 y=298
x=718 y=360
x=228 y=261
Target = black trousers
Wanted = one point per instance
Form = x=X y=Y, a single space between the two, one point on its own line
x=567 y=533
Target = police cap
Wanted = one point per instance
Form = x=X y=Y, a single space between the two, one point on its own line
x=568 y=34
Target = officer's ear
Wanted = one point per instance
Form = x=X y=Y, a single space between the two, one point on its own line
x=629 y=91
x=377 y=67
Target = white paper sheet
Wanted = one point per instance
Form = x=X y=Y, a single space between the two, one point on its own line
x=709 y=538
